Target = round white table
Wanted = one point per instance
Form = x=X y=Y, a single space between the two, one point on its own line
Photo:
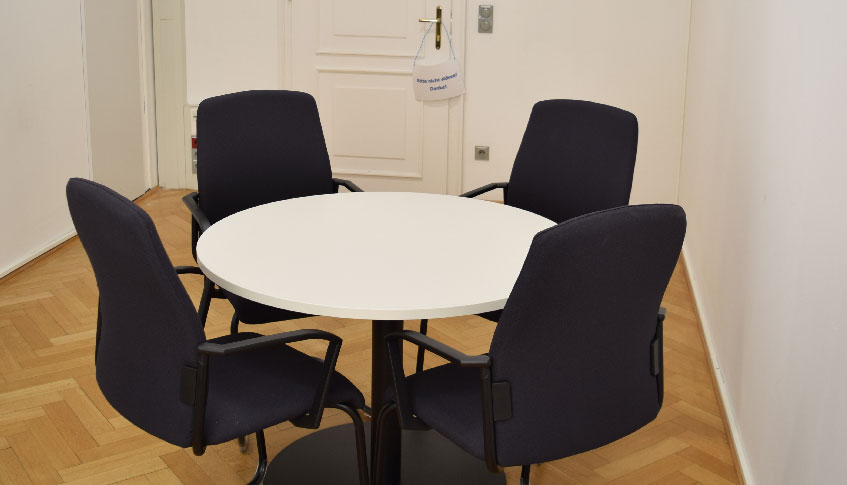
x=381 y=256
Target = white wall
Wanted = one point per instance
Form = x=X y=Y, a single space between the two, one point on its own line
x=43 y=139
x=762 y=180
x=231 y=46
x=627 y=54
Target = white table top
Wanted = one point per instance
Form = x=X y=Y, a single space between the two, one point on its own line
x=372 y=255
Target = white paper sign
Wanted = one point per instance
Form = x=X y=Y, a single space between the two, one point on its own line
x=438 y=81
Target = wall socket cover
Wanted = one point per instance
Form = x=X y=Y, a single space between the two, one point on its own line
x=485 y=21
x=480 y=152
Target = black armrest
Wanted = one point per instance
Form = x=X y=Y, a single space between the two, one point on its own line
x=199 y=221
x=192 y=202
x=312 y=419
x=657 y=358
x=346 y=183
x=187 y=270
x=395 y=360
x=440 y=349
x=488 y=188
x=212 y=348
x=401 y=396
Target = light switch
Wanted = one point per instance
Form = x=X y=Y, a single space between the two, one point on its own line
x=485 y=24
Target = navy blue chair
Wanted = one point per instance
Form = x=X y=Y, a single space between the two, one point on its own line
x=576 y=359
x=155 y=365
x=256 y=147
x=576 y=157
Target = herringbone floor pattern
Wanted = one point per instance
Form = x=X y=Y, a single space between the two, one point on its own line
x=56 y=427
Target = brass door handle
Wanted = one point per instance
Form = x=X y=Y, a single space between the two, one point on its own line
x=437 y=20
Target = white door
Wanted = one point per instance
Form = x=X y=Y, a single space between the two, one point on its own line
x=355 y=58
x=115 y=102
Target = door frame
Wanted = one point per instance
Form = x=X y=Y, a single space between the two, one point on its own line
x=168 y=38
x=455 y=106
x=147 y=95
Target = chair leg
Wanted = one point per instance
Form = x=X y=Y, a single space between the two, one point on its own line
x=243 y=444
x=205 y=300
x=420 y=361
x=233 y=325
x=361 y=445
x=262 y=468
x=525 y=475
x=379 y=422
x=97 y=335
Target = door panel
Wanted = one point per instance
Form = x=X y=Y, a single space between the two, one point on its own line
x=113 y=69
x=356 y=58
x=370 y=27
x=366 y=120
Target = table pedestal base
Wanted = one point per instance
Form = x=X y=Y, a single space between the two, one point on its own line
x=328 y=457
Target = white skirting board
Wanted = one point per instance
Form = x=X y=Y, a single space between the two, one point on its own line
x=36 y=253
x=734 y=432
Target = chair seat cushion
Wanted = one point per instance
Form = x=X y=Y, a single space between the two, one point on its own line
x=251 y=312
x=256 y=389
x=447 y=398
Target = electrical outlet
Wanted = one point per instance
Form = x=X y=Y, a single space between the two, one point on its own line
x=480 y=152
x=485 y=21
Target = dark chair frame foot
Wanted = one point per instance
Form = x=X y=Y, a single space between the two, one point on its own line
x=379 y=422
x=262 y=467
x=361 y=447
x=525 y=475
x=361 y=444
x=233 y=324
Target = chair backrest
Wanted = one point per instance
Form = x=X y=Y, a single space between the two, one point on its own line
x=149 y=328
x=257 y=147
x=576 y=157
x=574 y=340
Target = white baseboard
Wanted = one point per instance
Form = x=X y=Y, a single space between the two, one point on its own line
x=734 y=432
x=36 y=253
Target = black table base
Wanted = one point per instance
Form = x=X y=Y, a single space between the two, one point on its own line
x=328 y=457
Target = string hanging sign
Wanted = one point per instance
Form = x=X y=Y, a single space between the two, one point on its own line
x=437 y=81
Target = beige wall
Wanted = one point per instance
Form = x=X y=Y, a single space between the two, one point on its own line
x=762 y=179
x=231 y=46
x=627 y=54
x=43 y=125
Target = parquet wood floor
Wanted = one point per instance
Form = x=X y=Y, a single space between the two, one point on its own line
x=56 y=427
